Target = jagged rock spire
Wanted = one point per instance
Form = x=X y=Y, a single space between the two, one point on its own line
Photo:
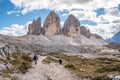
x=71 y=26
x=85 y=32
x=35 y=27
x=52 y=24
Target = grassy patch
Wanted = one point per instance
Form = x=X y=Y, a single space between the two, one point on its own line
x=110 y=68
x=89 y=67
x=14 y=78
x=69 y=65
x=21 y=63
x=114 y=46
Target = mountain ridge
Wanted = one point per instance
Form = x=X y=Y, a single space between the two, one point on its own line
x=115 y=38
x=51 y=27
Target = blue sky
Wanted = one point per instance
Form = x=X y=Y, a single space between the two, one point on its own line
x=18 y=18
x=100 y=16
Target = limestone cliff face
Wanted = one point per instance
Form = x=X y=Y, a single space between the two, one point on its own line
x=71 y=26
x=52 y=24
x=35 y=27
x=52 y=27
x=85 y=32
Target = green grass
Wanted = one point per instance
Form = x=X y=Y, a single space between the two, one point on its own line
x=22 y=62
x=110 y=68
x=89 y=67
x=69 y=65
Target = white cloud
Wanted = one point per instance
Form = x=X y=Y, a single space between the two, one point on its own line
x=59 y=5
x=84 y=15
x=30 y=5
x=105 y=30
x=11 y=12
x=62 y=24
x=15 y=30
x=111 y=14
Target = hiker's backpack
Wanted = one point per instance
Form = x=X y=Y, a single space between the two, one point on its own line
x=35 y=57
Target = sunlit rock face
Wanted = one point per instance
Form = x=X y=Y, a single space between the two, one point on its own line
x=71 y=26
x=35 y=27
x=52 y=24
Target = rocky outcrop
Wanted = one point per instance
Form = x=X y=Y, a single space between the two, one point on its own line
x=71 y=26
x=85 y=32
x=52 y=24
x=35 y=27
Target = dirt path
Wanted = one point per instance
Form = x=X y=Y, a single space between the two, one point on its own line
x=52 y=71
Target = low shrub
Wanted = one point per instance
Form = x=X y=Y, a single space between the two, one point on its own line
x=109 y=69
x=24 y=67
x=26 y=57
x=69 y=65
x=22 y=62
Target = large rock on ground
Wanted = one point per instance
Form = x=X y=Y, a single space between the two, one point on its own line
x=52 y=24
x=71 y=26
x=35 y=27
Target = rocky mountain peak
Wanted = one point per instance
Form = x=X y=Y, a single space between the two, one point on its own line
x=35 y=27
x=71 y=26
x=72 y=21
x=85 y=32
x=38 y=20
x=52 y=24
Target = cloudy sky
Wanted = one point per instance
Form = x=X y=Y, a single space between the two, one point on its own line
x=100 y=16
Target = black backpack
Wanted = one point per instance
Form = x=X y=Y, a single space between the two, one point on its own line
x=35 y=57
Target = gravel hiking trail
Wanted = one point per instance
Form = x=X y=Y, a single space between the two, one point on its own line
x=52 y=71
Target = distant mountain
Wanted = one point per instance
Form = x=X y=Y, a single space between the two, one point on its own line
x=51 y=27
x=72 y=32
x=115 y=38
